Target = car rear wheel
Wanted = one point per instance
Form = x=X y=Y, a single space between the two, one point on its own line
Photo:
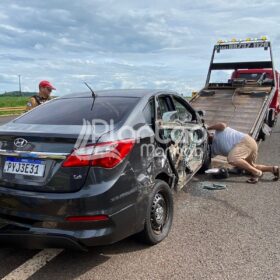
x=159 y=214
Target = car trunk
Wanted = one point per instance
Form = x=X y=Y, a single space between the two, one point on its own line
x=37 y=166
x=49 y=133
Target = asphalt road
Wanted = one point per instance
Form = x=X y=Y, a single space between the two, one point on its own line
x=6 y=119
x=223 y=234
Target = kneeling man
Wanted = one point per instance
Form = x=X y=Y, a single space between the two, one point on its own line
x=241 y=151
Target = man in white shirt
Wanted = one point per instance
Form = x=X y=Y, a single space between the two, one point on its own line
x=241 y=151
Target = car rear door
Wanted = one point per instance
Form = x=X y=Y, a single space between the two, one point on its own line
x=170 y=132
x=184 y=136
x=196 y=134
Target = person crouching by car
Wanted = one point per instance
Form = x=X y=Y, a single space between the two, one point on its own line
x=45 y=89
x=240 y=149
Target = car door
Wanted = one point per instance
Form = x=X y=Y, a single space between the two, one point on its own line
x=195 y=133
x=170 y=133
x=166 y=119
x=182 y=135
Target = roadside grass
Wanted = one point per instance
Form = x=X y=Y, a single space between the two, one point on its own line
x=11 y=113
x=13 y=101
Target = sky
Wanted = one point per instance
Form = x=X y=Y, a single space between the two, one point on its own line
x=123 y=44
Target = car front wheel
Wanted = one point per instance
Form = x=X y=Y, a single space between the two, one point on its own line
x=159 y=214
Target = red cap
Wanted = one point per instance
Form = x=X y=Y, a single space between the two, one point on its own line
x=46 y=84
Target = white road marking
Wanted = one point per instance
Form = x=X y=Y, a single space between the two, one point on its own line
x=31 y=266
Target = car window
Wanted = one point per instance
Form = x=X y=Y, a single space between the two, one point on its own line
x=149 y=112
x=72 y=111
x=167 y=111
x=182 y=112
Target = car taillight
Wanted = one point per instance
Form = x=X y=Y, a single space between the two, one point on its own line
x=107 y=154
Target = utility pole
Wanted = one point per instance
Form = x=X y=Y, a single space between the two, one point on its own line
x=19 y=84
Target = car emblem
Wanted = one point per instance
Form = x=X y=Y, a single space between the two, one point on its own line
x=20 y=142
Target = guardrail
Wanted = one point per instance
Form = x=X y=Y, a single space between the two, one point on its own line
x=18 y=108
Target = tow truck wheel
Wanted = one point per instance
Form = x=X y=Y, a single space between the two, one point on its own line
x=261 y=136
x=159 y=214
x=272 y=118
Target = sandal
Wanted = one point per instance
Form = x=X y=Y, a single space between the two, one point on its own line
x=255 y=179
x=276 y=173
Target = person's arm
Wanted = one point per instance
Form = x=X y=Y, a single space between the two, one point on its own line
x=31 y=104
x=218 y=126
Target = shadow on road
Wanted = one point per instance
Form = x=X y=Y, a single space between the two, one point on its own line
x=11 y=258
x=72 y=264
x=196 y=190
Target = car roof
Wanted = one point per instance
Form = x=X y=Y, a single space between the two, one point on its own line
x=119 y=93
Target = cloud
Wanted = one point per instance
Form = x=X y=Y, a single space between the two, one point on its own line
x=123 y=43
x=9 y=79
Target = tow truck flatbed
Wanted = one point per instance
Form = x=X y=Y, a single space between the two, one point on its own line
x=241 y=103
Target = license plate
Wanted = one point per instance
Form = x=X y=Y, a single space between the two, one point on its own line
x=32 y=167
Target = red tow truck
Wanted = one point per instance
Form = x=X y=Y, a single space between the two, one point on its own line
x=243 y=93
x=255 y=75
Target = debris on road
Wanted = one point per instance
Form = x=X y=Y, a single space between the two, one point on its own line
x=213 y=186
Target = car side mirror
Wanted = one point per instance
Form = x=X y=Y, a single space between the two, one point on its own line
x=201 y=113
x=169 y=116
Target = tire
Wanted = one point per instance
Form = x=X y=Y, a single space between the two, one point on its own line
x=206 y=161
x=261 y=136
x=272 y=118
x=159 y=214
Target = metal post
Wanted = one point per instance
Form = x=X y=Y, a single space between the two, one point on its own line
x=272 y=62
x=210 y=68
x=19 y=84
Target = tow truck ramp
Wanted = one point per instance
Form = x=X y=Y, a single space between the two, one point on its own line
x=241 y=103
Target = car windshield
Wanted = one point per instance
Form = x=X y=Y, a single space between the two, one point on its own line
x=73 y=111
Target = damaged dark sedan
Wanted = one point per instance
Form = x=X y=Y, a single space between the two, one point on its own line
x=93 y=168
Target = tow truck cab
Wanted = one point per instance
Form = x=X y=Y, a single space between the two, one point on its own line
x=263 y=76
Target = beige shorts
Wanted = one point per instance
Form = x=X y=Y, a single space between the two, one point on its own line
x=247 y=149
